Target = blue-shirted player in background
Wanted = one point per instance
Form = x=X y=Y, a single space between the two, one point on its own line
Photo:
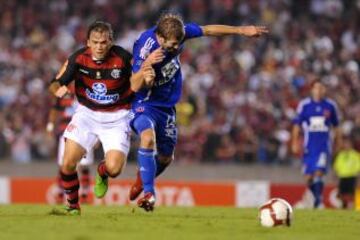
x=154 y=104
x=316 y=116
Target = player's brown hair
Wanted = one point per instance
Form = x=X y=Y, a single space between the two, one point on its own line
x=100 y=26
x=315 y=81
x=170 y=25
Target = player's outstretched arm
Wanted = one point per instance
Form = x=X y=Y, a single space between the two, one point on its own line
x=221 y=30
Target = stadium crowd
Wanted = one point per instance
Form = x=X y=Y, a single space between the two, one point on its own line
x=239 y=94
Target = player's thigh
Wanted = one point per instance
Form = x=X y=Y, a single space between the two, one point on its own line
x=72 y=154
x=81 y=130
x=116 y=137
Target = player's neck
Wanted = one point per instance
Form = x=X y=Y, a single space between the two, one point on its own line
x=317 y=99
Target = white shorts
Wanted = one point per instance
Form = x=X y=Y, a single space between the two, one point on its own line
x=110 y=128
x=87 y=160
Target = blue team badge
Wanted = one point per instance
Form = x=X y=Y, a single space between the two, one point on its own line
x=140 y=109
x=99 y=94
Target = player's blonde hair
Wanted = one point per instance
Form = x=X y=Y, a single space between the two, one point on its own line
x=170 y=25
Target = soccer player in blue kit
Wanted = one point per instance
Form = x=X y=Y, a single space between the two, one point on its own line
x=154 y=103
x=316 y=116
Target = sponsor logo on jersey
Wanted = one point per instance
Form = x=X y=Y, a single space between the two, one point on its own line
x=327 y=113
x=115 y=73
x=168 y=72
x=318 y=124
x=99 y=94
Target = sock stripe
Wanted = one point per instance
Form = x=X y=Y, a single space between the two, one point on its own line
x=70 y=184
x=72 y=195
x=68 y=177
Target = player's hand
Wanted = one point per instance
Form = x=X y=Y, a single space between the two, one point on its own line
x=253 y=31
x=149 y=75
x=62 y=91
x=155 y=57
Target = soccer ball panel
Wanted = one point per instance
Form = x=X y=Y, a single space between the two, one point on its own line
x=275 y=212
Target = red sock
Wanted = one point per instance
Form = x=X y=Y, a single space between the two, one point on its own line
x=102 y=170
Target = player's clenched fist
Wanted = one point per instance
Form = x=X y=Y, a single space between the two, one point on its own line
x=149 y=75
x=61 y=92
x=155 y=57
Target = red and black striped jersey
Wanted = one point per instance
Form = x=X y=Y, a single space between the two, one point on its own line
x=101 y=85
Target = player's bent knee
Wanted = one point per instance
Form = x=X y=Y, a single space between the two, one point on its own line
x=114 y=170
x=115 y=165
x=68 y=166
x=147 y=141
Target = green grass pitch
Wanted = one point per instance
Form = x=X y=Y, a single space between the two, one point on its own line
x=36 y=222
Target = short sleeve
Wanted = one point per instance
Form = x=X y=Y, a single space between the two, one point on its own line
x=141 y=50
x=299 y=117
x=193 y=30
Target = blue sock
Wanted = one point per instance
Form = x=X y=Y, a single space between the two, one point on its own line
x=317 y=190
x=160 y=167
x=147 y=166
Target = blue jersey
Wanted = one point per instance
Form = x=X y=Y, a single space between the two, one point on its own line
x=167 y=87
x=316 y=120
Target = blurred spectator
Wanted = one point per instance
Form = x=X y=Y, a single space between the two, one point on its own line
x=237 y=89
x=347 y=168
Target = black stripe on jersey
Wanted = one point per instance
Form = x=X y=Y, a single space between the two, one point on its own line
x=101 y=74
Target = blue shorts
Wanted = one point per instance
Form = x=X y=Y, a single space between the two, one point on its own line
x=316 y=162
x=162 y=120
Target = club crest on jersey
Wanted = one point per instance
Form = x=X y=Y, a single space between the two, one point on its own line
x=99 y=94
x=327 y=113
x=115 y=73
x=140 y=109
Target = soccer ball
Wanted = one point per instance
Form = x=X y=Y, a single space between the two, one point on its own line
x=275 y=212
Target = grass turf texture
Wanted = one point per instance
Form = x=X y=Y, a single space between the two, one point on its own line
x=35 y=222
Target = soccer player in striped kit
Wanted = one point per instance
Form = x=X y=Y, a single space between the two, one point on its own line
x=101 y=72
x=59 y=117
